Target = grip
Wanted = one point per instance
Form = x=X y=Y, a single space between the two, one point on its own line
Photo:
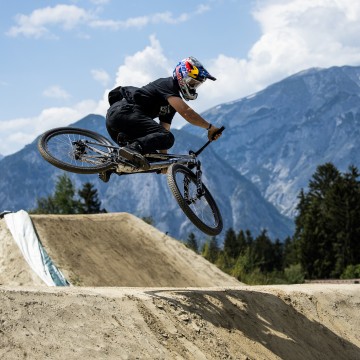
x=218 y=132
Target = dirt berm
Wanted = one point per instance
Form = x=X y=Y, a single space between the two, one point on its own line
x=138 y=294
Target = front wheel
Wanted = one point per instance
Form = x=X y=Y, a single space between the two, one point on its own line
x=76 y=150
x=201 y=209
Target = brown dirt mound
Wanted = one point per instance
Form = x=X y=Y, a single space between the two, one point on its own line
x=14 y=270
x=109 y=250
x=122 y=250
x=283 y=322
x=179 y=306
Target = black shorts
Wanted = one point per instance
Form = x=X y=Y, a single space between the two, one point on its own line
x=130 y=120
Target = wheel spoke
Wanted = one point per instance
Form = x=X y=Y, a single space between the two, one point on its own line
x=199 y=205
x=200 y=208
x=77 y=150
x=71 y=148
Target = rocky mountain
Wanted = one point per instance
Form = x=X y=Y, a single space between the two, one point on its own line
x=277 y=137
x=273 y=142
x=25 y=176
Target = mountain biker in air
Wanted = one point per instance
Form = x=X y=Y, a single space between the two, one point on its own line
x=132 y=117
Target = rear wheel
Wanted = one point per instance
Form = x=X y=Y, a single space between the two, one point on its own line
x=76 y=150
x=201 y=209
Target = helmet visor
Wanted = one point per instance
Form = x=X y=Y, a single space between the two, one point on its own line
x=193 y=83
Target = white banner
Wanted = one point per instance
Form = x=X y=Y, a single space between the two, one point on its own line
x=22 y=230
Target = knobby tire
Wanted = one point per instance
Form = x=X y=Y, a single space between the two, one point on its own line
x=57 y=147
x=207 y=217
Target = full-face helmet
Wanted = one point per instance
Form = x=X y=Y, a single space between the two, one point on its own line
x=190 y=74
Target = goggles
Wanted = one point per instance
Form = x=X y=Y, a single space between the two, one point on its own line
x=193 y=83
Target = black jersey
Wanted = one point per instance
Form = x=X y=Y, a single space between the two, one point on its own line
x=152 y=98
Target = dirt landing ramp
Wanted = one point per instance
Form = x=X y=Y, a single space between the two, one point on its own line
x=112 y=250
x=276 y=322
x=14 y=270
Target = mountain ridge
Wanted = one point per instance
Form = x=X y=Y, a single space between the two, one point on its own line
x=278 y=136
x=273 y=142
x=146 y=195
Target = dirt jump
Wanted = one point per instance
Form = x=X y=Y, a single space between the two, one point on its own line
x=136 y=293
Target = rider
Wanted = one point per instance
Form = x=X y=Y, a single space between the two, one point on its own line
x=133 y=116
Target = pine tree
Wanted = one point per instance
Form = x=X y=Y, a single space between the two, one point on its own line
x=211 y=250
x=191 y=242
x=290 y=253
x=249 y=238
x=343 y=203
x=244 y=265
x=63 y=200
x=263 y=252
x=278 y=255
x=241 y=240
x=89 y=200
x=231 y=244
x=45 y=205
x=328 y=223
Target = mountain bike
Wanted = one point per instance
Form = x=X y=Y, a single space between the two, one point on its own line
x=86 y=152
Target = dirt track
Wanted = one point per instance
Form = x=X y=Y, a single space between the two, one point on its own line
x=206 y=315
x=110 y=250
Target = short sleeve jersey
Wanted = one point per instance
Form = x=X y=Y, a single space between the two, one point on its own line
x=152 y=98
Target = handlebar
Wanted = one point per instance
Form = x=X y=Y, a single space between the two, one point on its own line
x=209 y=141
x=218 y=132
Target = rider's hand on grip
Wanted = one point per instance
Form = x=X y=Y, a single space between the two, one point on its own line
x=214 y=133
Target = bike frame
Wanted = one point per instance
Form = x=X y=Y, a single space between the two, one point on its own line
x=87 y=152
x=158 y=161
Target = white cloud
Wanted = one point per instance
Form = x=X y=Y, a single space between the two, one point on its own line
x=16 y=133
x=139 y=69
x=36 y=24
x=144 y=66
x=101 y=76
x=300 y=33
x=56 y=92
x=296 y=35
x=137 y=22
x=166 y=17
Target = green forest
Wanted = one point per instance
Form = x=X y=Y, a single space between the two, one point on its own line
x=325 y=245
x=67 y=200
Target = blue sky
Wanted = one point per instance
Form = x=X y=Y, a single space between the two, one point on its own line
x=60 y=58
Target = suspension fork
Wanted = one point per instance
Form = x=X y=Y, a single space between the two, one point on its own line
x=199 y=185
